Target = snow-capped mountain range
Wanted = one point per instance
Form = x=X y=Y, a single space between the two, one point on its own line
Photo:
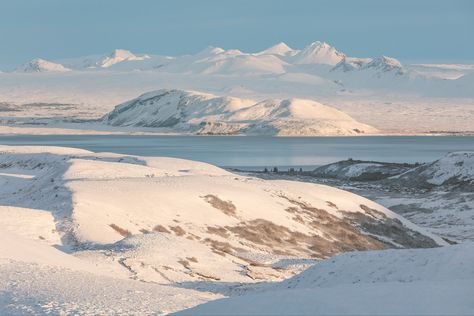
x=377 y=91
x=276 y=59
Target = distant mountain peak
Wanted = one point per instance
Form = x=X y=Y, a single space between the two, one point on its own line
x=385 y=64
x=42 y=65
x=280 y=48
x=319 y=53
x=117 y=56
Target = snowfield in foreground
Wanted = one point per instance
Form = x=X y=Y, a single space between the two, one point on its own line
x=94 y=233
x=391 y=282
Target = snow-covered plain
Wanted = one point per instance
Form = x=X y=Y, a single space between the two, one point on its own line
x=97 y=233
x=382 y=92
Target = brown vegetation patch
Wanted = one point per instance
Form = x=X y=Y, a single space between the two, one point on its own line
x=227 y=207
x=292 y=209
x=161 y=229
x=207 y=276
x=192 y=259
x=373 y=212
x=120 y=230
x=392 y=229
x=184 y=263
x=220 y=231
x=144 y=231
x=331 y=204
x=298 y=219
x=178 y=230
x=221 y=248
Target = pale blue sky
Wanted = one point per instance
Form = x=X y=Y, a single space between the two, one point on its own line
x=424 y=30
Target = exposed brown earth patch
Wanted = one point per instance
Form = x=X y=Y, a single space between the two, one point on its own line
x=122 y=231
x=220 y=231
x=227 y=207
x=161 y=229
x=184 y=263
x=178 y=230
x=281 y=240
x=392 y=228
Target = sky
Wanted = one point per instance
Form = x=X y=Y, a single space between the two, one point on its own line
x=412 y=31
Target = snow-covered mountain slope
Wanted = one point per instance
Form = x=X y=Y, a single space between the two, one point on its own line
x=214 y=60
x=318 y=53
x=208 y=114
x=351 y=63
x=118 y=56
x=456 y=168
x=390 y=282
x=358 y=170
x=41 y=65
x=214 y=224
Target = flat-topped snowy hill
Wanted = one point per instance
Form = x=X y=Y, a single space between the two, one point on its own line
x=200 y=113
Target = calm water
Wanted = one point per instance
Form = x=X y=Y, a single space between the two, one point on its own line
x=261 y=151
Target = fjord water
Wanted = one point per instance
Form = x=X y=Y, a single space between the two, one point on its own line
x=249 y=151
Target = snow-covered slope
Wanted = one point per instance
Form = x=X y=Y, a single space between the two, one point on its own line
x=391 y=282
x=379 y=65
x=236 y=226
x=456 y=168
x=351 y=63
x=361 y=170
x=208 y=114
x=82 y=229
x=41 y=65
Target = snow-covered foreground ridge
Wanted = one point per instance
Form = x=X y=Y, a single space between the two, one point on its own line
x=207 y=114
x=124 y=219
x=391 y=282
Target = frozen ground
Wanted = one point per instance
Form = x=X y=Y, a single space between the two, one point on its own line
x=94 y=233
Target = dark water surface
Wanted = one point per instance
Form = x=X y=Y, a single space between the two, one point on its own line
x=248 y=151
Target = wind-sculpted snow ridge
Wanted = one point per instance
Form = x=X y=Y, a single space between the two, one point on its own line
x=206 y=114
x=390 y=282
x=123 y=219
